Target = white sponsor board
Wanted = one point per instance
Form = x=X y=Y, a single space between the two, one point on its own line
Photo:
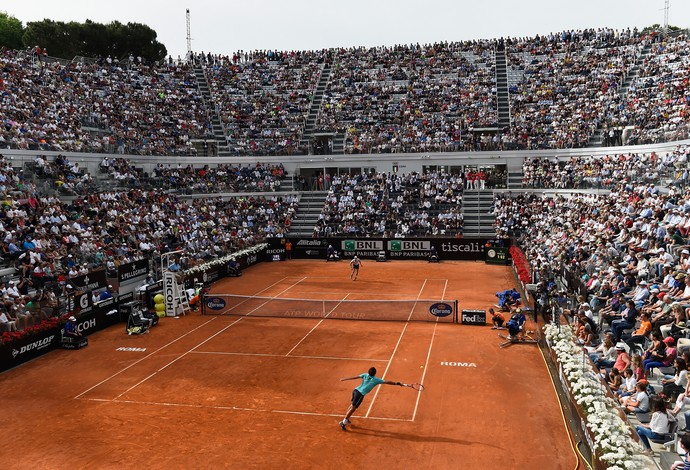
x=170 y=293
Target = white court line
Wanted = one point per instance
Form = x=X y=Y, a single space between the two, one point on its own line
x=143 y=358
x=333 y=292
x=177 y=359
x=428 y=354
x=414 y=306
x=223 y=353
x=376 y=393
x=325 y=277
x=276 y=296
x=237 y=408
x=317 y=325
x=443 y=296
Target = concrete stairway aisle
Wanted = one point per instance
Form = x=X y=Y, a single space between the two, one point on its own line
x=218 y=131
x=308 y=211
x=476 y=208
x=339 y=143
x=315 y=108
x=515 y=179
x=502 y=92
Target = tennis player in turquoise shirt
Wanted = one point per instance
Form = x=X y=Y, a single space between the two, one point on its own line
x=369 y=381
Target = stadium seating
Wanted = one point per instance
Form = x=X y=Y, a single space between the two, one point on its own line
x=388 y=205
x=566 y=90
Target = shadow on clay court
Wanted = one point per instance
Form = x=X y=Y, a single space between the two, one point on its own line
x=354 y=429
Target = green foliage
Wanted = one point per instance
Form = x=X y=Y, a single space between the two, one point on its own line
x=657 y=27
x=11 y=30
x=90 y=39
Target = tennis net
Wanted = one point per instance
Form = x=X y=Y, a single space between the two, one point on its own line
x=391 y=310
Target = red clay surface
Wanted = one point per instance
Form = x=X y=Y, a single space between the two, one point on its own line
x=242 y=392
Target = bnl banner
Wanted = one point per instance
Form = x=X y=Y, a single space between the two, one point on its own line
x=395 y=249
x=408 y=249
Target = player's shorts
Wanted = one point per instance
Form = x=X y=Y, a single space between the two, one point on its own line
x=357 y=398
x=355 y=267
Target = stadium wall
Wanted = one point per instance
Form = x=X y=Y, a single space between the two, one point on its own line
x=406 y=162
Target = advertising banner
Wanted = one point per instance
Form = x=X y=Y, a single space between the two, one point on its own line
x=133 y=272
x=471 y=249
x=79 y=302
x=306 y=248
x=277 y=250
x=102 y=315
x=91 y=281
x=170 y=293
x=28 y=348
x=473 y=317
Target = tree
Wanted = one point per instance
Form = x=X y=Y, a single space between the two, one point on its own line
x=11 y=31
x=657 y=27
x=90 y=39
x=142 y=38
x=46 y=34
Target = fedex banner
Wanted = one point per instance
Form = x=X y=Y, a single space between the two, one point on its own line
x=471 y=249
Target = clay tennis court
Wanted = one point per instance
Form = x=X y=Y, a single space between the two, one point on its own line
x=258 y=392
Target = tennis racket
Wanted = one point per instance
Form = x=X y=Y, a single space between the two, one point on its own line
x=416 y=386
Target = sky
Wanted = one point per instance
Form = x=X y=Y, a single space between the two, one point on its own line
x=224 y=27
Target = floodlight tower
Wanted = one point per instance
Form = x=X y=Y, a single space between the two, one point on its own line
x=189 y=34
x=667 y=7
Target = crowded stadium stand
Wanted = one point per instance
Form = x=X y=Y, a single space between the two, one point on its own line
x=565 y=90
x=82 y=107
x=387 y=205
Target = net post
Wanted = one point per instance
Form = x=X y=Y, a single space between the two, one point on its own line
x=202 y=299
x=455 y=320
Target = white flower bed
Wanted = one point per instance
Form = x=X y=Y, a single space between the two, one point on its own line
x=612 y=440
x=199 y=269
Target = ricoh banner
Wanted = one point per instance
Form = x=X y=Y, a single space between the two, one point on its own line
x=471 y=249
x=170 y=293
